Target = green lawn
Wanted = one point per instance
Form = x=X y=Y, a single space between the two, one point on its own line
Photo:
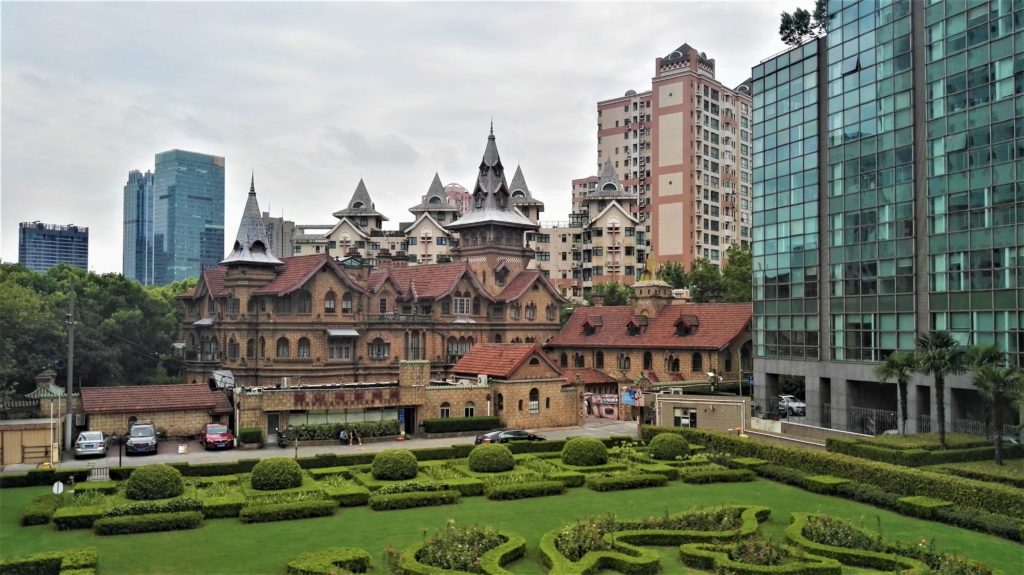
x=227 y=546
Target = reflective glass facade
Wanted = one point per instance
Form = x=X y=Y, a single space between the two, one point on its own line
x=137 y=253
x=188 y=214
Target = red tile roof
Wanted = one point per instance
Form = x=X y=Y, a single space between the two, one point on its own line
x=142 y=398
x=431 y=281
x=717 y=325
x=210 y=280
x=588 y=375
x=522 y=282
x=500 y=359
x=297 y=270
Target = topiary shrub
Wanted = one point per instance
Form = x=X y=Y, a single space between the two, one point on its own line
x=669 y=446
x=585 y=451
x=156 y=481
x=276 y=473
x=394 y=464
x=491 y=458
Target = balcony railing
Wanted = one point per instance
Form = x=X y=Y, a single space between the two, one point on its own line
x=398 y=317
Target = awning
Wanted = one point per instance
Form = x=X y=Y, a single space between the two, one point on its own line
x=346 y=332
x=205 y=322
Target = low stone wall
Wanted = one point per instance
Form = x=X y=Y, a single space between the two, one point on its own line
x=816 y=434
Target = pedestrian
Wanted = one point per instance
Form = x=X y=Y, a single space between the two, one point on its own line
x=357 y=436
x=345 y=437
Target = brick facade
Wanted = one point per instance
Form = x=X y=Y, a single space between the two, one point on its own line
x=175 y=423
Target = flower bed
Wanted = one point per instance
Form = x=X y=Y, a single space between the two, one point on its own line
x=756 y=556
x=329 y=561
x=456 y=549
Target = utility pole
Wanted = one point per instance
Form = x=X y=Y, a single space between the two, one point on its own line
x=70 y=387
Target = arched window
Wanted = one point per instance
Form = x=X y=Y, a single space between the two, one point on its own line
x=534 y=401
x=648 y=360
x=282 y=347
x=675 y=365
x=624 y=362
x=305 y=302
x=727 y=360
x=551 y=312
x=476 y=306
x=379 y=349
x=499 y=402
x=497 y=338
x=304 y=348
x=469 y=410
x=446 y=410
x=599 y=360
x=697 y=362
x=330 y=302
x=346 y=303
x=232 y=349
x=534 y=360
x=563 y=360
x=578 y=360
x=531 y=311
x=250 y=348
x=514 y=310
x=263 y=347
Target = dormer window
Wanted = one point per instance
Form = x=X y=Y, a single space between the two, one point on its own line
x=591 y=325
x=686 y=325
x=632 y=328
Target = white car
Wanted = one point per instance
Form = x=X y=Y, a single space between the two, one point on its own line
x=790 y=405
x=91 y=443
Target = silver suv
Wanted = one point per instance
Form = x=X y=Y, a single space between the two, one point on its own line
x=141 y=438
x=790 y=405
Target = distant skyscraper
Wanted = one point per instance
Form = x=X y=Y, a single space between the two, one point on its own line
x=188 y=214
x=42 y=246
x=137 y=255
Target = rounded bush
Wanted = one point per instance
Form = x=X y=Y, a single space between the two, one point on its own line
x=155 y=481
x=669 y=446
x=491 y=458
x=584 y=451
x=394 y=464
x=276 y=473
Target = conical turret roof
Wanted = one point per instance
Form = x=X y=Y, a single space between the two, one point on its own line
x=520 y=191
x=360 y=205
x=251 y=244
x=608 y=186
x=491 y=198
x=435 y=199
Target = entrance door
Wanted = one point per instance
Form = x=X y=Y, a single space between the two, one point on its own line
x=273 y=422
x=409 y=414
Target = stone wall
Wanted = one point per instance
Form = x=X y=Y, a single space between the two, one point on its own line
x=175 y=423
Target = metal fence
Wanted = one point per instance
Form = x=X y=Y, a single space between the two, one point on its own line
x=974 y=427
x=826 y=415
x=870 y=421
x=924 y=424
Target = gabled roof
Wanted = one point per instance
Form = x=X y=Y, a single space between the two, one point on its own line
x=251 y=244
x=425 y=216
x=500 y=359
x=358 y=229
x=298 y=270
x=146 y=398
x=210 y=281
x=360 y=205
x=523 y=282
x=621 y=209
x=435 y=199
x=431 y=281
x=587 y=375
x=717 y=326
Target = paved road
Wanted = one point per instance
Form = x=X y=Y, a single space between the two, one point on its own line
x=168 y=453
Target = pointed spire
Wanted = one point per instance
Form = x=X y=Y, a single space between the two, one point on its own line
x=251 y=243
x=436 y=187
x=608 y=185
x=491 y=198
x=360 y=204
x=519 y=182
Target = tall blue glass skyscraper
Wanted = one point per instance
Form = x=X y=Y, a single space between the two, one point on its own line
x=188 y=214
x=137 y=255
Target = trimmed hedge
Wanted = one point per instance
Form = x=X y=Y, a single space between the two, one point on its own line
x=715 y=474
x=918 y=457
x=877 y=560
x=43 y=477
x=626 y=481
x=491 y=458
x=491 y=562
x=160 y=506
x=325 y=431
x=394 y=465
x=669 y=446
x=823 y=483
x=77 y=517
x=221 y=507
x=714 y=558
x=413 y=499
x=978 y=520
x=276 y=473
x=440 y=453
x=1009 y=476
x=154 y=481
x=900 y=480
x=920 y=506
x=51 y=562
x=584 y=452
x=287 y=511
x=250 y=435
x=457 y=424
x=40 y=510
x=354 y=496
x=328 y=561
x=147 y=523
x=747 y=462
x=104 y=487
x=525 y=490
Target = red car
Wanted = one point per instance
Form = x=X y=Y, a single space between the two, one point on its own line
x=216 y=435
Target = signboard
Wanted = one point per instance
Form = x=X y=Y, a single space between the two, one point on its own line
x=58 y=488
x=401 y=415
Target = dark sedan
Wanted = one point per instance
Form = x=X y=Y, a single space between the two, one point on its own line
x=506 y=435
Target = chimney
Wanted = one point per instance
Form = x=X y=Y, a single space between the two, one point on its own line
x=46 y=379
x=597 y=299
x=414 y=372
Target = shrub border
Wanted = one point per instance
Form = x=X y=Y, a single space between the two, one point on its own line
x=491 y=563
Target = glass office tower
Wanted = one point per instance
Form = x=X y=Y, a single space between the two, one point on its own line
x=137 y=253
x=42 y=246
x=188 y=214
x=888 y=168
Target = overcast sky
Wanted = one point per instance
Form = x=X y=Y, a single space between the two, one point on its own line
x=314 y=96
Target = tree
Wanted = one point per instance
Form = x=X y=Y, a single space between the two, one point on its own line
x=939 y=355
x=737 y=274
x=897 y=367
x=673 y=274
x=797 y=27
x=998 y=384
x=705 y=281
x=614 y=293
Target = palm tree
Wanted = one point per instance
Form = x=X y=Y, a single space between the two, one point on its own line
x=897 y=367
x=938 y=354
x=998 y=384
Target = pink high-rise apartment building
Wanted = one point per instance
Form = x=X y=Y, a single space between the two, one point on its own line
x=684 y=148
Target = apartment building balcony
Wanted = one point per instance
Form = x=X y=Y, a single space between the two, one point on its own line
x=588 y=265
